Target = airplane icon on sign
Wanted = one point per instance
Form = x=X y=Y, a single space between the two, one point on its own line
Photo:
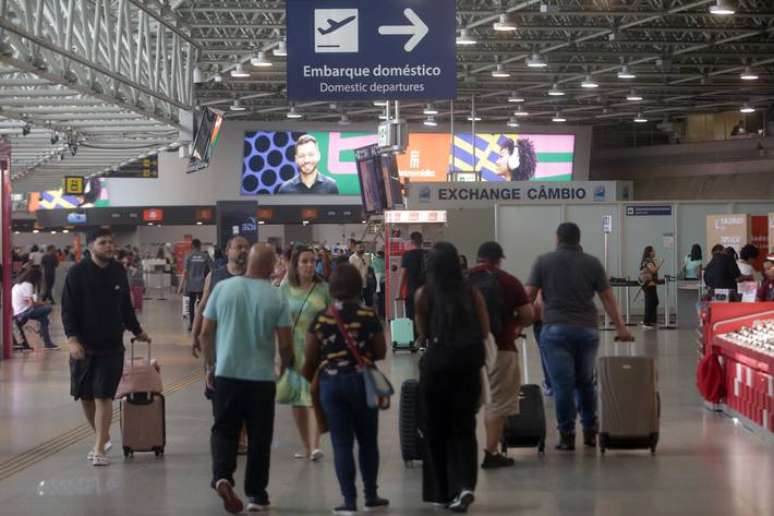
x=333 y=25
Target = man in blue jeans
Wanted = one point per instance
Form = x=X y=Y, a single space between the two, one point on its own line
x=569 y=279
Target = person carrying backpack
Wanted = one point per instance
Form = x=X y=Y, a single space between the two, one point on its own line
x=509 y=311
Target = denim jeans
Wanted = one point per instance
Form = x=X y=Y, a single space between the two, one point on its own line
x=344 y=401
x=40 y=314
x=571 y=354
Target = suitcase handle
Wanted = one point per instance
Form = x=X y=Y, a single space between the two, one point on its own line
x=131 y=352
x=396 y=303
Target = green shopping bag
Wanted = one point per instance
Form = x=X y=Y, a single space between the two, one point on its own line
x=289 y=387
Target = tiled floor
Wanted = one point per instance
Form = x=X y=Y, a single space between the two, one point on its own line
x=705 y=465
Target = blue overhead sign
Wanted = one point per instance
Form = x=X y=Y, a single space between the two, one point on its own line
x=641 y=210
x=371 y=50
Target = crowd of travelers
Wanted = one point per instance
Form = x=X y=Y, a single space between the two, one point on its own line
x=303 y=327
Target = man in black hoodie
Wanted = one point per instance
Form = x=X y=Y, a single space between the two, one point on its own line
x=96 y=310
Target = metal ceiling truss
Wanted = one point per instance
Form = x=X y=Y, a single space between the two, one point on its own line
x=90 y=71
x=686 y=59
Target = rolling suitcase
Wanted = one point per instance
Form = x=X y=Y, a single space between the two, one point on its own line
x=412 y=443
x=629 y=407
x=527 y=429
x=402 y=331
x=142 y=406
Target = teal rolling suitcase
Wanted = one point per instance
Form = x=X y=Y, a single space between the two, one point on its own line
x=402 y=331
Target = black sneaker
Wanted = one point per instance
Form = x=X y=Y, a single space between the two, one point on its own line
x=496 y=460
x=566 y=442
x=462 y=502
x=376 y=504
x=590 y=438
x=346 y=510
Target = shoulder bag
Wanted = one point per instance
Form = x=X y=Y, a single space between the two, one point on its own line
x=377 y=386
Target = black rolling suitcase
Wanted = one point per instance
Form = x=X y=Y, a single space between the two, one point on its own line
x=412 y=443
x=528 y=428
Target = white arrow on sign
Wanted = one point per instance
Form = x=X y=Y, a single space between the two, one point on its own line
x=417 y=30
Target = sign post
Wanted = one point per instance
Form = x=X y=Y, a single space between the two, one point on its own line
x=364 y=50
x=607 y=228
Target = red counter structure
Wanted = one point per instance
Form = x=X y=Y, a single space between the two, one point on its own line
x=748 y=372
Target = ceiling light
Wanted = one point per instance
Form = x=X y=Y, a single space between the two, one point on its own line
x=633 y=96
x=748 y=74
x=239 y=72
x=380 y=103
x=558 y=118
x=197 y=75
x=512 y=122
x=747 y=108
x=199 y=223
x=65 y=231
x=625 y=73
x=589 y=83
x=217 y=77
x=465 y=38
x=500 y=73
x=237 y=106
x=474 y=118
x=430 y=121
x=260 y=60
x=555 y=91
x=535 y=61
x=515 y=98
x=344 y=120
x=504 y=24
x=293 y=114
x=430 y=110
x=722 y=8
x=36 y=231
x=281 y=50
x=382 y=117
x=639 y=118
x=520 y=113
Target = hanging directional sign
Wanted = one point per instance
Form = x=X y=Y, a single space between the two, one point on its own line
x=371 y=50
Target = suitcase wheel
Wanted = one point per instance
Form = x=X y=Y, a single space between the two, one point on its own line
x=602 y=443
x=542 y=447
x=158 y=451
x=394 y=347
x=653 y=450
x=128 y=452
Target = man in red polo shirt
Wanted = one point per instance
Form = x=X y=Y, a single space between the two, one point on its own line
x=509 y=310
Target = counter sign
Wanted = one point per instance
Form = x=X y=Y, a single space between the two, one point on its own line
x=74 y=185
x=366 y=50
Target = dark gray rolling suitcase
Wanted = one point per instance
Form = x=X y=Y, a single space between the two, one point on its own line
x=412 y=443
x=629 y=403
x=527 y=429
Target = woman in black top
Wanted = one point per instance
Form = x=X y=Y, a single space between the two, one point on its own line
x=649 y=278
x=452 y=317
x=342 y=391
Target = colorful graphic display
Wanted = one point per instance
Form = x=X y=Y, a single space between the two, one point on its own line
x=269 y=159
x=534 y=157
x=96 y=196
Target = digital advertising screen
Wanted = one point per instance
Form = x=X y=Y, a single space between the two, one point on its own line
x=205 y=140
x=324 y=163
x=96 y=195
x=372 y=185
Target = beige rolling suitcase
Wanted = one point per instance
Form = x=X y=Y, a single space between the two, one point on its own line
x=629 y=404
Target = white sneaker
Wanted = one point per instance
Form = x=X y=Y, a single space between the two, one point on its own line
x=108 y=447
x=254 y=507
x=462 y=502
x=301 y=454
x=100 y=460
x=317 y=455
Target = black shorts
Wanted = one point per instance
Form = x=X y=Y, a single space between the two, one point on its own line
x=96 y=376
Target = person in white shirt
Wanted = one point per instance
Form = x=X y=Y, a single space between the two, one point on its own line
x=747 y=256
x=36 y=256
x=25 y=307
x=361 y=262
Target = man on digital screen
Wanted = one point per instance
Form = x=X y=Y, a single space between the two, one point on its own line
x=309 y=180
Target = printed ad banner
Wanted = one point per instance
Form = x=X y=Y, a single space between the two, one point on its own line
x=728 y=230
x=271 y=161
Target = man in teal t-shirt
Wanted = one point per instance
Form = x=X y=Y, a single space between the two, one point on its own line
x=245 y=314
